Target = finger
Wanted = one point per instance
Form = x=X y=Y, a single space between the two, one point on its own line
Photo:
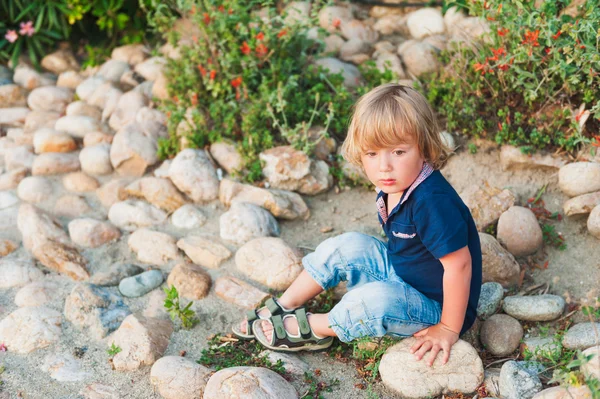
x=421 y=332
x=446 y=349
x=435 y=349
x=423 y=350
x=417 y=345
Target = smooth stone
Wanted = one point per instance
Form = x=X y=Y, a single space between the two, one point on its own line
x=36 y=120
x=581 y=336
x=88 y=87
x=37 y=293
x=351 y=74
x=487 y=203
x=95 y=160
x=50 y=98
x=69 y=79
x=226 y=156
x=593 y=222
x=77 y=126
x=519 y=231
x=79 y=182
x=92 y=233
x=239 y=292
x=191 y=281
x=99 y=391
x=29 y=78
x=204 y=251
x=291 y=363
x=501 y=334
x=132 y=151
x=151 y=68
x=248 y=382
x=112 y=192
x=113 y=274
x=95 y=138
x=7 y=247
x=54 y=163
x=331 y=17
x=579 y=178
x=19 y=157
x=188 y=217
x=499 y=265
x=126 y=109
x=48 y=140
x=243 y=222
x=64 y=367
x=81 y=108
x=13 y=116
x=581 y=204
x=357 y=30
x=176 y=377
x=419 y=57
x=113 y=70
x=30 y=328
x=8 y=199
x=18 y=272
x=35 y=189
x=193 y=174
x=581 y=392
x=12 y=95
x=130 y=215
x=425 y=22
x=512 y=158
x=141 y=284
x=591 y=369
x=132 y=54
x=491 y=382
x=157 y=191
x=489 y=299
x=516 y=382
x=60 y=61
x=71 y=206
x=535 y=307
x=153 y=247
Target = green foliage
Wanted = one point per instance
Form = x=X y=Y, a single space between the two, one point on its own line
x=316 y=387
x=472 y=148
x=323 y=302
x=173 y=305
x=113 y=350
x=524 y=85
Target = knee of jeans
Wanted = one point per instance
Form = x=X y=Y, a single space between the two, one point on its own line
x=383 y=299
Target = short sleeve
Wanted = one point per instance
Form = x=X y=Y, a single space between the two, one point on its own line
x=440 y=224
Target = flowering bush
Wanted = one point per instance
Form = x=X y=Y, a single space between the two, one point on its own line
x=249 y=79
x=533 y=83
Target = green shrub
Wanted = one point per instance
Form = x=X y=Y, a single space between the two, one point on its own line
x=533 y=82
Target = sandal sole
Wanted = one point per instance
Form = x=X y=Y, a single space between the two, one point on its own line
x=312 y=348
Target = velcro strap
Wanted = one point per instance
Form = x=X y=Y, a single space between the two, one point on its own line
x=251 y=315
x=303 y=325
x=278 y=327
x=273 y=306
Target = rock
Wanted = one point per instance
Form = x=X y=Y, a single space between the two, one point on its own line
x=418 y=57
x=13 y=116
x=144 y=88
x=591 y=369
x=581 y=336
x=47 y=241
x=54 y=163
x=19 y=137
x=29 y=78
x=499 y=265
x=71 y=206
x=130 y=215
x=291 y=363
x=112 y=192
x=81 y=108
x=357 y=30
x=7 y=199
x=7 y=247
x=351 y=74
x=239 y=292
x=159 y=192
x=30 y=328
x=425 y=22
x=77 y=126
x=112 y=275
x=540 y=347
x=99 y=391
x=153 y=247
x=69 y=80
x=518 y=383
x=35 y=189
x=535 y=307
x=244 y=222
x=487 y=203
x=593 y=222
x=126 y=109
x=270 y=261
x=64 y=367
x=513 y=158
x=491 y=382
x=140 y=284
x=352 y=48
x=113 y=70
x=333 y=44
x=581 y=392
x=95 y=160
x=469 y=29
x=36 y=120
x=160 y=87
x=92 y=233
x=17 y=273
x=36 y=293
x=19 y=157
x=226 y=156
x=12 y=178
x=519 y=231
x=132 y=54
x=249 y=382
x=95 y=310
x=282 y=204
x=392 y=62
x=489 y=300
x=193 y=174
x=132 y=151
x=48 y=140
x=190 y=280
x=411 y=378
x=12 y=96
x=332 y=17
x=85 y=90
x=203 y=251
x=151 y=68
x=95 y=138
x=581 y=204
x=188 y=217
x=448 y=140
x=54 y=99
x=79 y=182
x=579 y=178
x=501 y=334
x=387 y=24
x=142 y=340
x=176 y=377
x=60 y=61
x=297 y=12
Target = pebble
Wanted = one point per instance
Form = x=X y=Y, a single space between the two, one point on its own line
x=226 y=156
x=81 y=108
x=204 y=251
x=351 y=74
x=239 y=292
x=291 y=363
x=581 y=336
x=79 y=182
x=244 y=221
x=132 y=151
x=132 y=54
x=501 y=334
x=535 y=307
x=519 y=231
x=419 y=57
x=19 y=157
x=37 y=293
x=579 y=178
x=540 y=347
x=13 y=116
x=54 y=163
x=69 y=79
x=7 y=247
x=92 y=233
x=176 y=377
x=516 y=382
x=112 y=192
x=141 y=284
x=77 y=125
x=581 y=392
x=489 y=299
x=591 y=369
x=153 y=247
x=190 y=280
x=512 y=158
x=35 y=189
x=188 y=217
x=95 y=160
x=12 y=178
x=330 y=15
x=593 y=222
x=425 y=22
x=50 y=98
x=113 y=274
x=64 y=367
x=126 y=108
x=498 y=264
x=193 y=174
x=581 y=204
x=487 y=203
x=248 y=382
x=30 y=328
x=71 y=206
x=130 y=215
x=151 y=68
x=17 y=273
x=49 y=140
x=112 y=70
x=157 y=191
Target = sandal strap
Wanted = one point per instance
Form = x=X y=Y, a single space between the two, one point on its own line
x=251 y=315
x=280 y=332
x=303 y=326
x=273 y=306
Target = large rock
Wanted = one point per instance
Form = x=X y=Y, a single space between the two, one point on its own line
x=282 y=204
x=37 y=293
x=132 y=151
x=35 y=189
x=425 y=22
x=487 y=203
x=501 y=334
x=142 y=340
x=30 y=328
x=176 y=377
x=49 y=140
x=193 y=174
x=351 y=74
x=579 y=178
x=581 y=204
x=593 y=222
x=411 y=378
x=18 y=272
x=270 y=261
x=126 y=109
x=535 y=307
x=159 y=192
x=516 y=382
x=188 y=217
x=513 y=158
x=490 y=299
x=419 y=57
x=95 y=160
x=190 y=280
x=499 y=265
x=227 y=156
x=153 y=247
x=392 y=62
x=204 y=251
x=244 y=222
x=248 y=382
x=54 y=163
x=290 y=169
x=540 y=347
x=92 y=233
x=519 y=231
x=54 y=99
x=239 y=292
x=60 y=61
x=130 y=215
x=140 y=284
x=581 y=336
x=79 y=182
x=77 y=126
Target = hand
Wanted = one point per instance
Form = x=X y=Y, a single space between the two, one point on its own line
x=434 y=339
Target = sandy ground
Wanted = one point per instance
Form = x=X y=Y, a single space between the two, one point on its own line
x=575 y=270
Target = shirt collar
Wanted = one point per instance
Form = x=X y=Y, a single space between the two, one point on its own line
x=426 y=171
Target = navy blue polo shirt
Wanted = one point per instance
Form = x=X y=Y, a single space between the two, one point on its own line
x=430 y=222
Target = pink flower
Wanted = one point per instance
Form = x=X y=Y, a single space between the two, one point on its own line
x=27 y=28
x=2 y=346
x=11 y=36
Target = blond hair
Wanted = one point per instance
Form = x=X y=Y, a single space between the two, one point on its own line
x=393 y=114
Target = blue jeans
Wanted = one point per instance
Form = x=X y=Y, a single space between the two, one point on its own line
x=378 y=302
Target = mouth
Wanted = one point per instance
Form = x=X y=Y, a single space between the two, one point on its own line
x=387 y=182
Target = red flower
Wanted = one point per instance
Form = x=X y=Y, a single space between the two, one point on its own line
x=281 y=33
x=206 y=18
x=213 y=73
x=486 y=6
x=230 y=11
x=202 y=70
x=480 y=67
x=260 y=36
x=221 y=8
x=554 y=37
x=194 y=99
x=547 y=50
x=502 y=31
x=336 y=22
x=596 y=142
x=491 y=18
x=497 y=52
x=503 y=67
x=261 y=50
x=245 y=48
x=237 y=93
x=531 y=38
x=236 y=82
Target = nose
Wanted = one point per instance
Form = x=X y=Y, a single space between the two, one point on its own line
x=384 y=163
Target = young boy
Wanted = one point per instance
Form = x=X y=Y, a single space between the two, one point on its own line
x=425 y=282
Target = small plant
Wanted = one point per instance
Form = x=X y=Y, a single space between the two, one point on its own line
x=113 y=350
x=316 y=387
x=173 y=305
x=550 y=235
x=472 y=148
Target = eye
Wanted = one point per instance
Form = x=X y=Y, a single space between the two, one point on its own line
x=399 y=152
x=370 y=154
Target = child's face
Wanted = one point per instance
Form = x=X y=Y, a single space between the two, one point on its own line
x=393 y=169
